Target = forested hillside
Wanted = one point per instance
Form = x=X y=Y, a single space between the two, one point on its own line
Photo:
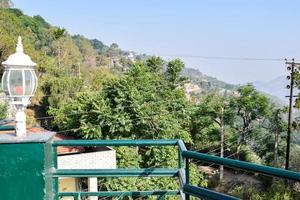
x=95 y=91
x=205 y=82
x=66 y=64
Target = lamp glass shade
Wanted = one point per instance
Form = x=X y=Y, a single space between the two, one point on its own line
x=4 y=82
x=15 y=83
x=19 y=82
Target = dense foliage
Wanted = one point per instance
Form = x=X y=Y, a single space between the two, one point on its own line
x=278 y=191
x=66 y=64
x=139 y=105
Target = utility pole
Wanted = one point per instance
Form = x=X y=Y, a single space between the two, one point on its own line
x=291 y=68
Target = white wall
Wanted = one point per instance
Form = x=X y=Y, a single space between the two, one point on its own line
x=92 y=160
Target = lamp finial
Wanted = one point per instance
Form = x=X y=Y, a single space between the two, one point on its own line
x=19 y=48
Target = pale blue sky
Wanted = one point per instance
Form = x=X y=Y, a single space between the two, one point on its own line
x=233 y=28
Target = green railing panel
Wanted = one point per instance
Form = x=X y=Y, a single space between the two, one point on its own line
x=272 y=171
x=147 y=172
x=182 y=172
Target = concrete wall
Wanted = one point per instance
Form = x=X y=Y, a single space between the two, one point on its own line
x=105 y=159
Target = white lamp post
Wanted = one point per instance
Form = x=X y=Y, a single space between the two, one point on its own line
x=19 y=82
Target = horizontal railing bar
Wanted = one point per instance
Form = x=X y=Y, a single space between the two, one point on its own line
x=115 y=143
x=277 y=172
x=119 y=193
x=206 y=193
x=7 y=128
x=181 y=146
x=146 y=172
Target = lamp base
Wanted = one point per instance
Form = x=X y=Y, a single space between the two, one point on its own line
x=20 y=123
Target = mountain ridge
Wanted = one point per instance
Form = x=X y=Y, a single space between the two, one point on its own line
x=204 y=81
x=275 y=87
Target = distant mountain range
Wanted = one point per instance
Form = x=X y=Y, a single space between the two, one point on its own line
x=275 y=87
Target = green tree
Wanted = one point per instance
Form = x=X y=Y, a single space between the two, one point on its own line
x=278 y=191
x=251 y=108
x=58 y=33
x=88 y=52
x=213 y=114
x=114 y=46
x=139 y=105
x=60 y=91
x=155 y=64
x=127 y=157
x=277 y=127
x=67 y=54
x=41 y=21
x=295 y=157
x=173 y=73
x=140 y=102
x=98 y=45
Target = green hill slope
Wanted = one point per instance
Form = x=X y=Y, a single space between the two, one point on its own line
x=204 y=81
x=66 y=64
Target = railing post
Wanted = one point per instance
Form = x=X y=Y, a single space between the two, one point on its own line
x=180 y=159
x=187 y=175
x=55 y=179
x=77 y=197
x=120 y=197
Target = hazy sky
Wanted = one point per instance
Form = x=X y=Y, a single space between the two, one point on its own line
x=227 y=28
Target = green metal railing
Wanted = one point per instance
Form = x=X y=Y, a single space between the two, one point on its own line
x=160 y=194
x=182 y=171
x=7 y=128
x=146 y=172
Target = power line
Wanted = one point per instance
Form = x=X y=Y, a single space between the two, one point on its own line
x=227 y=144
x=221 y=57
x=64 y=115
x=218 y=148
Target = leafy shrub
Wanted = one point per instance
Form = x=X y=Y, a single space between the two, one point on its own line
x=247 y=154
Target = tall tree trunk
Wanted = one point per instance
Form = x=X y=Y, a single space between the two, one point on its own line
x=276 y=148
x=222 y=146
x=59 y=54
x=276 y=151
x=241 y=141
x=238 y=149
x=79 y=72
